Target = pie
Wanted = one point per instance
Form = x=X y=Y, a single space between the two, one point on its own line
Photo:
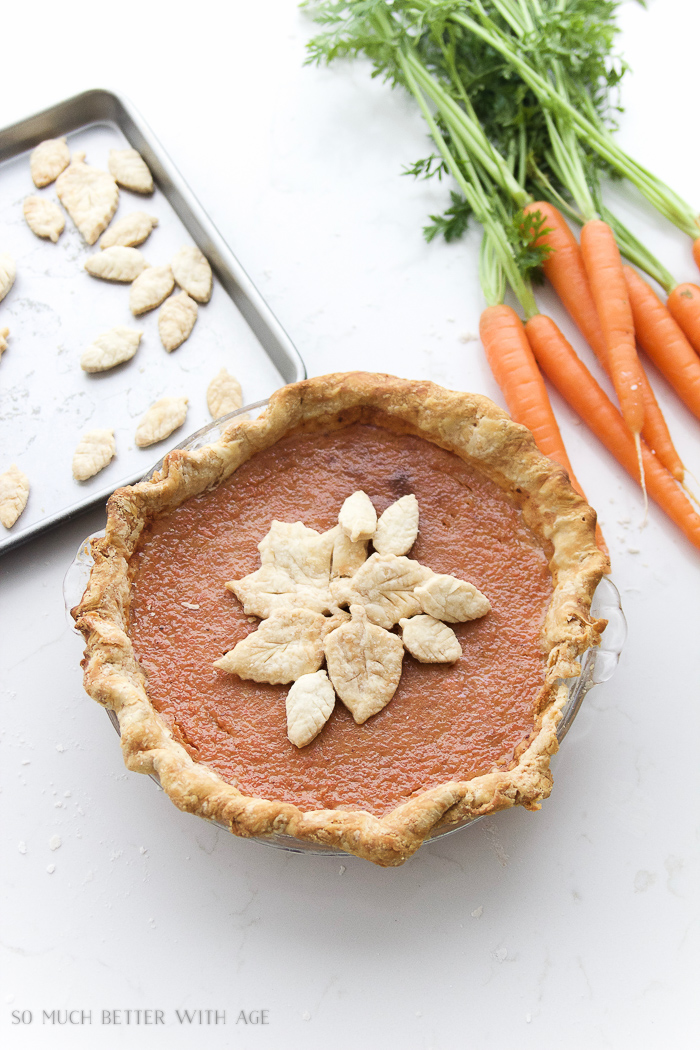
x=458 y=739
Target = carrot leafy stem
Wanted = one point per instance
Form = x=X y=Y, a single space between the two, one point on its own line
x=520 y=96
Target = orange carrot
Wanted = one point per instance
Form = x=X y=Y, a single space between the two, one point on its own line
x=601 y=257
x=684 y=306
x=515 y=370
x=566 y=272
x=655 y=430
x=656 y=433
x=575 y=383
x=696 y=251
x=663 y=340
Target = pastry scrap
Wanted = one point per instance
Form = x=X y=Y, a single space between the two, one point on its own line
x=14 y=493
x=89 y=195
x=176 y=320
x=111 y=348
x=348 y=555
x=133 y=229
x=193 y=273
x=337 y=619
x=4 y=332
x=397 y=528
x=8 y=272
x=94 y=451
x=44 y=218
x=48 y=161
x=117 y=263
x=150 y=289
x=429 y=640
x=161 y=419
x=309 y=704
x=130 y=170
x=358 y=518
x=287 y=645
x=305 y=574
x=224 y=395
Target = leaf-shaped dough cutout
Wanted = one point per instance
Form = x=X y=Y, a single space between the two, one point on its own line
x=161 y=419
x=309 y=705
x=111 y=348
x=150 y=289
x=447 y=598
x=397 y=527
x=224 y=395
x=117 y=264
x=429 y=640
x=176 y=320
x=263 y=591
x=129 y=231
x=304 y=553
x=48 y=160
x=130 y=170
x=44 y=218
x=364 y=664
x=385 y=585
x=193 y=273
x=8 y=272
x=89 y=195
x=358 y=518
x=295 y=571
x=4 y=332
x=286 y=646
x=14 y=493
x=94 y=451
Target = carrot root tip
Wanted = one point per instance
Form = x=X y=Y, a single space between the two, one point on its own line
x=642 y=478
x=689 y=491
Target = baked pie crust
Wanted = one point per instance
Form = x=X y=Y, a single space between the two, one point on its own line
x=479 y=433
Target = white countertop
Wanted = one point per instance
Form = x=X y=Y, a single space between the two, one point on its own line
x=575 y=927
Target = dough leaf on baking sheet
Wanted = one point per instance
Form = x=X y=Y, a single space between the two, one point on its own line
x=89 y=195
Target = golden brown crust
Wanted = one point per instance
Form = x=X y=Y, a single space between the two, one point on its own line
x=468 y=425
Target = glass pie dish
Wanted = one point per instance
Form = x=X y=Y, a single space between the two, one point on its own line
x=597 y=664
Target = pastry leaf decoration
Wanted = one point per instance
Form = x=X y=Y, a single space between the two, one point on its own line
x=320 y=597
x=309 y=704
x=385 y=585
x=286 y=645
x=364 y=664
x=295 y=570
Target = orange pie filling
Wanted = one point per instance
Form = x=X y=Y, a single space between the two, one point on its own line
x=445 y=722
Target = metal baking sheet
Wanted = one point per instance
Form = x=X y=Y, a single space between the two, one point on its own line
x=55 y=309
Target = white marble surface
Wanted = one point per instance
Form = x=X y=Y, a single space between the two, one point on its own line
x=575 y=927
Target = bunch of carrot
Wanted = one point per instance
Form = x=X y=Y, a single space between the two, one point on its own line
x=435 y=51
x=612 y=307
